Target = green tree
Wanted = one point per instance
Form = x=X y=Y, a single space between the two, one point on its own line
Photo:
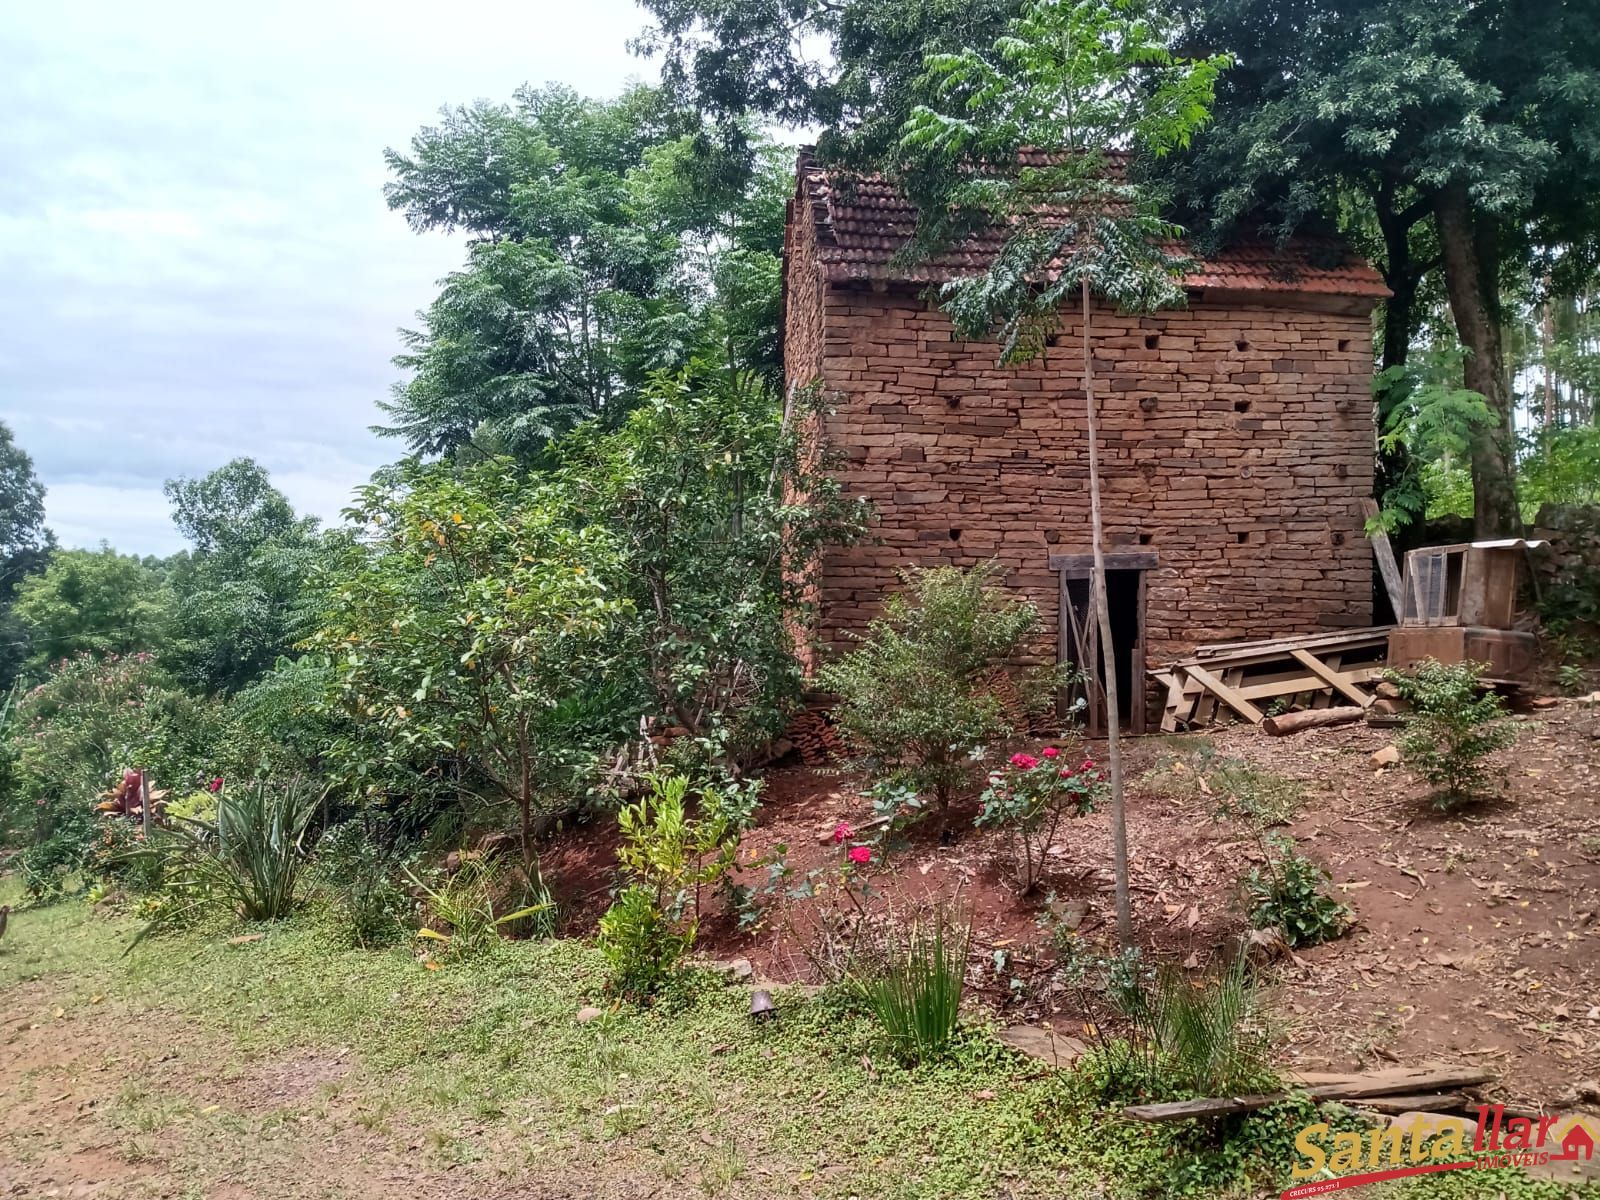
x=1468 y=135
x=469 y=625
x=25 y=546
x=91 y=602
x=1086 y=79
x=604 y=249
x=715 y=512
x=240 y=597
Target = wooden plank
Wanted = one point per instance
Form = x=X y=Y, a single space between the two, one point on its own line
x=1387 y=566
x=1420 y=1081
x=1332 y=678
x=1223 y=692
x=1310 y=641
x=1079 y=566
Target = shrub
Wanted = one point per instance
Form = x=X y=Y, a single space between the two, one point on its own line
x=1239 y=789
x=1452 y=727
x=1287 y=893
x=1190 y=1037
x=915 y=705
x=482 y=898
x=642 y=945
x=1030 y=796
x=250 y=859
x=914 y=987
x=674 y=855
x=364 y=874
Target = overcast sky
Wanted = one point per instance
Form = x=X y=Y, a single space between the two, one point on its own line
x=195 y=258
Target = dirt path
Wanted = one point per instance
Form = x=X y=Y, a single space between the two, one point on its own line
x=105 y=1100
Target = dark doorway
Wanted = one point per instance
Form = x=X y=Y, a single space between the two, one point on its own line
x=1079 y=637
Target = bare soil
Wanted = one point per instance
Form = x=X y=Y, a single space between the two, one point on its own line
x=1477 y=933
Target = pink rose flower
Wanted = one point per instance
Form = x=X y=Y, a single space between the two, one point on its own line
x=1025 y=761
x=1049 y=752
x=860 y=855
x=841 y=831
x=1088 y=765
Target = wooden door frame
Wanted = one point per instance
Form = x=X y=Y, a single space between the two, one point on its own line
x=1081 y=566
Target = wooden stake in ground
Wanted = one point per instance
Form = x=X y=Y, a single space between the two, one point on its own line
x=1102 y=617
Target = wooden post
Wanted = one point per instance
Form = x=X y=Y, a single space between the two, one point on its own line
x=1387 y=566
x=144 y=800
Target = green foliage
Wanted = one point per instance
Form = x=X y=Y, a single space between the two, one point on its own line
x=1430 y=419
x=90 y=602
x=248 y=860
x=466 y=629
x=1191 y=1037
x=643 y=946
x=914 y=982
x=715 y=511
x=675 y=855
x=480 y=899
x=605 y=250
x=364 y=872
x=25 y=546
x=1559 y=466
x=74 y=734
x=1288 y=894
x=240 y=599
x=1452 y=727
x=1061 y=79
x=1031 y=796
x=915 y=701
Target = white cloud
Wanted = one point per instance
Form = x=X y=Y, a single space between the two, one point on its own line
x=198 y=260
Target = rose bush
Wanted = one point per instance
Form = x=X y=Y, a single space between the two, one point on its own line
x=1029 y=798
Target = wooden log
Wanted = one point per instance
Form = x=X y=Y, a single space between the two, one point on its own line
x=1411 y=1082
x=1435 y=1102
x=1311 y=718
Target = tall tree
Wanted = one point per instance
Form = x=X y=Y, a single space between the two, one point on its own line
x=849 y=68
x=1467 y=131
x=25 y=546
x=91 y=602
x=602 y=251
x=240 y=597
x=1086 y=80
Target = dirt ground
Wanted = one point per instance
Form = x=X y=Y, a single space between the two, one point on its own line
x=1477 y=934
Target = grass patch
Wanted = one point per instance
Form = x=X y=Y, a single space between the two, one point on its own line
x=482 y=1066
x=1234 y=788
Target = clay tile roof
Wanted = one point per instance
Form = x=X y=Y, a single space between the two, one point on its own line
x=863 y=222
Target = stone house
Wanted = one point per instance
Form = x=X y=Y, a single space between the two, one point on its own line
x=1237 y=436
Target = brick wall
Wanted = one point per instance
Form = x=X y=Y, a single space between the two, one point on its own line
x=1237 y=443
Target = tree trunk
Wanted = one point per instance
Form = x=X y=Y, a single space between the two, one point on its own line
x=1471 y=282
x=1102 y=614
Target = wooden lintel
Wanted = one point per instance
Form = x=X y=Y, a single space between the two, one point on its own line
x=1079 y=566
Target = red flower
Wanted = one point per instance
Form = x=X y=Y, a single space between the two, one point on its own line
x=1049 y=752
x=860 y=855
x=1066 y=772
x=216 y=784
x=841 y=831
x=1088 y=765
x=1025 y=761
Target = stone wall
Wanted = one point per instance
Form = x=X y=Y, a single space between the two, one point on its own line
x=1572 y=559
x=1237 y=445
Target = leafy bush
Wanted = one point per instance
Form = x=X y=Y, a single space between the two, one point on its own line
x=914 y=986
x=1287 y=893
x=1452 y=727
x=675 y=855
x=364 y=874
x=915 y=703
x=1029 y=798
x=643 y=946
x=250 y=859
x=1190 y=1037
x=73 y=735
x=482 y=898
